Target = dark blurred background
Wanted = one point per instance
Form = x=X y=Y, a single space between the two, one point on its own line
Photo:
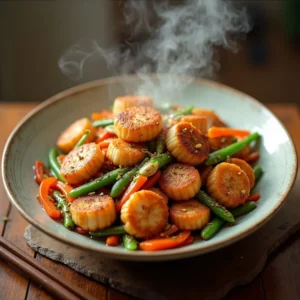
x=34 y=34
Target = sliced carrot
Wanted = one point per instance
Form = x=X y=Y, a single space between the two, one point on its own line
x=165 y=243
x=253 y=157
x=45 y=199
x=113 y=240
x=134 y=186
x=214 y=132
x=188 y=241
x=105 y=143
x=65 y=189
x=152 y=181
x=254 y=197
x=103 y=134
x=39 y=171
x=104 y=114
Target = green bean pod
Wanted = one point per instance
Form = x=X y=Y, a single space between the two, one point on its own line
x=160 y=145
x=185 y=111
x=103 y=123
x=155 y=163
x=98 y=183
x=222 y=154
x=54 y=165
x=216 y=207
x=257 y=173
x=129 y=242
x=212 y=228
x=243 y=209
x=65 y=209
x=116 y=230
x=82 y=139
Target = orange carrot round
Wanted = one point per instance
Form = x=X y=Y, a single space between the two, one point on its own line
x=113 y=240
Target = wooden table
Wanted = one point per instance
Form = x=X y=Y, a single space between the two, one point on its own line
x=278 y=280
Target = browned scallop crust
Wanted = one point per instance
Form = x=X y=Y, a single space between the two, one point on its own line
x=189 y=215
x=204 y=173
x=138 y=124
x=245 y=167
x=187 y=143
x=93 y=212
x=198 y=121
x=212 y=118
x=82 y=163
x=122 y=153
x=180 y=181
x=70 y=136
x=228 y=184
x=122 y=103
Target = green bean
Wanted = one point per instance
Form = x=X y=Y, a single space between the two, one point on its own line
x=185 y=111
x=160 y=145
x=216 y=208
x=155 y=163
x=65 y=209
x=103 y=123
x=243 y=209
x=257 y=173
x=110 y=128
x=98 y=183
x=152 y=145
x=120 y=186
x=116 y=230
x=82 y=139
x=129 y=242
x=53 y=163
x=222 y=154
x=212 y=228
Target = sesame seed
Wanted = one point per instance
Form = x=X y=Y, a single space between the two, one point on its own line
x=198 y=146
x=243 y=191
x=183 y=209
x=184 y=130
x=239 y=173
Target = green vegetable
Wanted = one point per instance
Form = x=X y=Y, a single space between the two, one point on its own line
x=212 y=228
x=98 y=183
x=82 y=139
x=152 y=145
x=216 y=208
x=216 y=224
x=65 y=209
x=243 y=209
x=185 y=111
x=129 y=242
x=160 y=146
x=110 y=128
x=120 y=186
x=257 y=173
x=117 y=230
x=222 y=154
x=155 y=163
x=54 y=165
x=103 y=123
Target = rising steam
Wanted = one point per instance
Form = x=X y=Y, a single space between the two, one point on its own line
x=181 y=42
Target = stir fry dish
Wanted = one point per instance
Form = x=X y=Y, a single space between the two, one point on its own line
x=147 y=179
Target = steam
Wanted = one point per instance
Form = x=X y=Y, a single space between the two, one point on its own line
x=181 y=42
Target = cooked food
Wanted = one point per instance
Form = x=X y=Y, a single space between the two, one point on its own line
x=147 y=180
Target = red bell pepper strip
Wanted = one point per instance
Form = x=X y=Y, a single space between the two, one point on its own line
x=44 y=194
x=39 y=171
x=65 y=189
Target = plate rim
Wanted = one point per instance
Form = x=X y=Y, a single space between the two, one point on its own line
x=170 y=254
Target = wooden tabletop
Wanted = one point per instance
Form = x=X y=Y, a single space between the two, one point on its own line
x=278 y=280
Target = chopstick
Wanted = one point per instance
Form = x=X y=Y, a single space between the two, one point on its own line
x=49 y=280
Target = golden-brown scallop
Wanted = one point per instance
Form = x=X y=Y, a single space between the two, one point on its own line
x=82 y=163
x=189 y=215
x=228 y=184
x=198 y=121
x=145 y=214
x=186 y=143
x=204 y=173
x=93 y=212
x=126 y=154
x=138 y=124
x=70 y=136
x=245 y=167
x=212 y=118
x=160 y=193
x=180 y=181
x=122 y=103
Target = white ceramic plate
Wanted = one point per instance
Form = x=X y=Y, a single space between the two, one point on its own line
x=38 y=131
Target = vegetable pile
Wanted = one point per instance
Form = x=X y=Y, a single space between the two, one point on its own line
x=147 y=180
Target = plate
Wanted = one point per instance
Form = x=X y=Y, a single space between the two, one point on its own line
x=38 y=131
